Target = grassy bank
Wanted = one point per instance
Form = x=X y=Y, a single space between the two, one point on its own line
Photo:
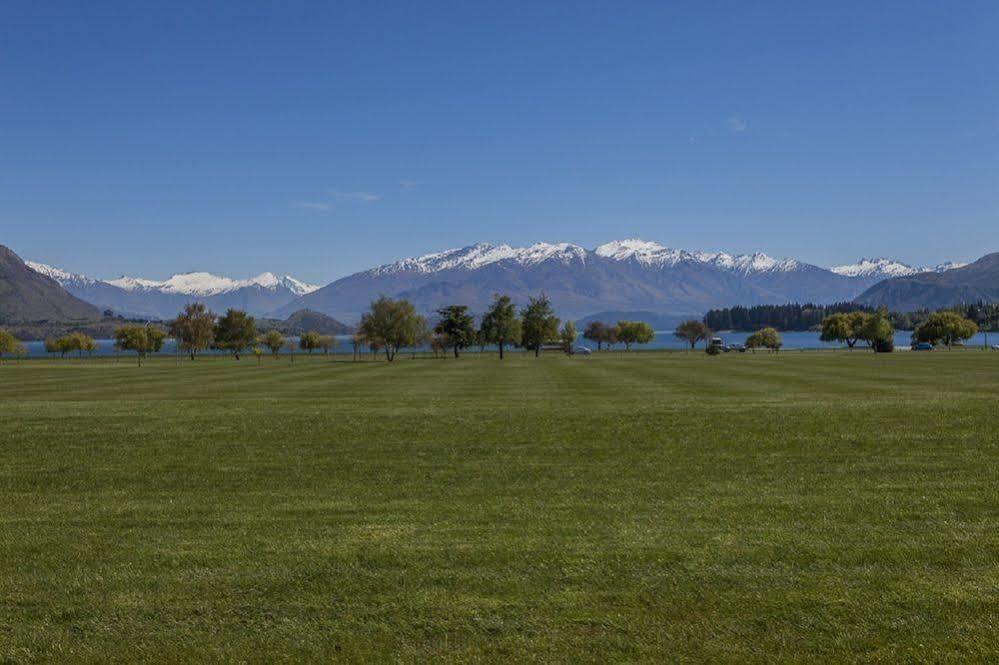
x=620 y=506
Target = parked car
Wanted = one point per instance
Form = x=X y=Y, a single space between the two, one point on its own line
x=581 y=351
x=717 y=341
x=922 y=346
x=741 y=348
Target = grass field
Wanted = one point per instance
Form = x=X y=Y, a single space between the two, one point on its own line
x=644 y=506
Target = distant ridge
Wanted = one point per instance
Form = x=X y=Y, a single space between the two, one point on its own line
x=26 y=295
x=978 y=281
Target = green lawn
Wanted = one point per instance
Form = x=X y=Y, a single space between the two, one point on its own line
x=643 y=506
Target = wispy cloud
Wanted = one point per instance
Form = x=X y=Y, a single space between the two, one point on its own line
x=313 y=205
x=408 y=185
x=736 y=124
x=364 y=197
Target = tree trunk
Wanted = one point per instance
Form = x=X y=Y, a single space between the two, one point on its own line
x=537 y=351
x=501 y=350
x=455 y=350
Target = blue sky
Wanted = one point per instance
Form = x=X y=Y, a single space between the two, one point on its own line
x=322 y=138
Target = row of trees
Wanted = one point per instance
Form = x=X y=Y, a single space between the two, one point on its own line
x=946 y=327
x=623 y=332
x=391 y=325
x=77 y=341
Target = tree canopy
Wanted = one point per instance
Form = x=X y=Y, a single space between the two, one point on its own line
x=945 y=328
x=569 y=336
x=274 y=341
x=310 y=341
x=634 y=332
x=234 y=332
x=692 y=332
x=600 y=333
x=500 y=324
x=392 y=325
x=539 y=324
x=141 y=339
x=767 y=338
x=9 y=345
x=194 y=328
x=456 y=326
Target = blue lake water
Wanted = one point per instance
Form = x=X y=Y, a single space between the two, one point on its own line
x=664 y=340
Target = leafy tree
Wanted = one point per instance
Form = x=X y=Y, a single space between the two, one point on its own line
x=597 y=332
x=767 y=338
x=357 y=342
x=844 y=327
x=500 y=324
x=234 y=332
x=274 y=341
x=457 y=327
x=392 y=325
x=309 y=341
x=327 y=343
x=568 y=336
x=258 y=353
x=194 y=328
x=634 y=332
x=539 y=325
x=946 y=328
x=692 y=332
x=141 y=339
x=10 y=345
x=878 y=331
x=438 y=344
x=52 y=346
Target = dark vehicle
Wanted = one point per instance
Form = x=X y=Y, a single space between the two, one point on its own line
x=741 y=348
x=922 y=346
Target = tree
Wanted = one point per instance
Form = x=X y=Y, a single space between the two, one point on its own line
x=274 y=341
x=10 y=345
x=327 y=343
x=258 y=353
x=309 y=341
x=392 y=325
x=51 y=345
x=539 y=325
x=500 y=324
x=692 y=332
x=357 y=341
x=194 y=328
x=767 y=338
x=634 y=332
x=844 y=327
x=596 y=332
x=457 y=327
x=568 y=336
x=141 y=339
x=946 y=328
x=234 y=332
x=878 y=332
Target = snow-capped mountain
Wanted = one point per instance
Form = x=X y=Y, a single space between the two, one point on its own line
x=207 y=284
x=621 y=275
x=883 y=268
x=163 y=299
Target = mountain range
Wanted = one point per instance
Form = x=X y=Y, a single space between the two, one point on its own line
x=139 y=297
x=623 y=277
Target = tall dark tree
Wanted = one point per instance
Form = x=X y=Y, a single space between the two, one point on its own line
x=234 y=332
x=540 y=325
x=597 y=332
x=456 y=326
x=500 y=324
x=193 y=328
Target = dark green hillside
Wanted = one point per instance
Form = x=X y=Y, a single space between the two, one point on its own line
x=26 y=295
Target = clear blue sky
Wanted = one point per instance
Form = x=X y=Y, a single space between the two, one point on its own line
x=322 y=138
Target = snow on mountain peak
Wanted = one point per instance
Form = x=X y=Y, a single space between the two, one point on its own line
x=208 y=284
x=478 y=255
x=866 y=267
x=643 y=251
x=58 y=274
